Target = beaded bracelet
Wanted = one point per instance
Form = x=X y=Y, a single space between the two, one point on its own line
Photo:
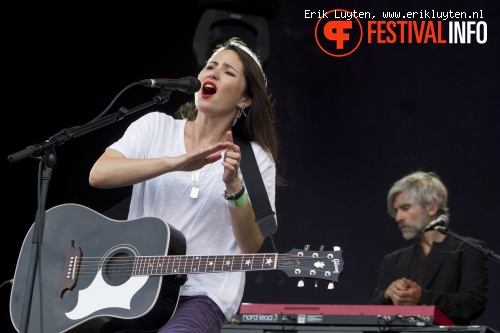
x=238 y=202
x=236 y=195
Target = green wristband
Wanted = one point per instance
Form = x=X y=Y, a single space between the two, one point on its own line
x=239 y=202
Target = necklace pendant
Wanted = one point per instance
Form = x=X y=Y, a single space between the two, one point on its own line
x=194 y=192
x=195 y=175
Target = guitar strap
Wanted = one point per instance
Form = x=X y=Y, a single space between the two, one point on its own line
x=264 y=215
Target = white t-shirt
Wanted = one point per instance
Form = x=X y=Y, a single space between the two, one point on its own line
x=204 y=221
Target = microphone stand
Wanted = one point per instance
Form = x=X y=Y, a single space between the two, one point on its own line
x=486 y=251
x=47 y=162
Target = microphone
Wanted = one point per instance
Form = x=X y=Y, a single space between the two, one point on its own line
x=441 y=220
x=188 y=84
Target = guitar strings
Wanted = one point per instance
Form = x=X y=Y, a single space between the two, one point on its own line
x=155 y=265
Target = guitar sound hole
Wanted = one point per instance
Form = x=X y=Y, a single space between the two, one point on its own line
x=117 y=270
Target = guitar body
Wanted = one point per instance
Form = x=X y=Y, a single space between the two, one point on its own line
x=91 y=268
x=111 y=292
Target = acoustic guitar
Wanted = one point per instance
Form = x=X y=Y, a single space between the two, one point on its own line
x=93 y=267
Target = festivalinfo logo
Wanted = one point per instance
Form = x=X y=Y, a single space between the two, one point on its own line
x=339 y=32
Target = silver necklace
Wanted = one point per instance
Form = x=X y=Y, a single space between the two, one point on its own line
x=195 y=190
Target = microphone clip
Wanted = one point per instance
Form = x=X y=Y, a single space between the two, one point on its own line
x=442 y=229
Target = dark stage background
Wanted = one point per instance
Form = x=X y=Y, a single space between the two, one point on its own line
x=349 y=126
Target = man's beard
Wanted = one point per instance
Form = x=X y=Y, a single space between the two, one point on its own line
x=410 y=232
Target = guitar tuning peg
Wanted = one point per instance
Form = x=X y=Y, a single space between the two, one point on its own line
x=315 y=284
x=306 y=247
x=330 y=285
x=321 y=248
x=301 y=283
x=336 y=248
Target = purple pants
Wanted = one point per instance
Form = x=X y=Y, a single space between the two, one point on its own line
x=194 y=314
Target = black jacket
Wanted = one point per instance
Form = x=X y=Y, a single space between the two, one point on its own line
x=456 y=283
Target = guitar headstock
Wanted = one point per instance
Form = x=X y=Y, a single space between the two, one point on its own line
x=319 y=265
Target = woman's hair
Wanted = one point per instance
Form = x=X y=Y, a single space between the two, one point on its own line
x=258 y=125
x=425 y=188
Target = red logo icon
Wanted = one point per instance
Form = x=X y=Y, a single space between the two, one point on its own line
x=338 y=33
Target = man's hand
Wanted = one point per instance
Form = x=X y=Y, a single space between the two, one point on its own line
x=403 y=292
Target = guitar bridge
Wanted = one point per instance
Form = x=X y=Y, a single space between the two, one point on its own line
x=69 y=276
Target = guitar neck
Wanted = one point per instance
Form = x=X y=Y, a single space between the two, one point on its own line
x=170 y=265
